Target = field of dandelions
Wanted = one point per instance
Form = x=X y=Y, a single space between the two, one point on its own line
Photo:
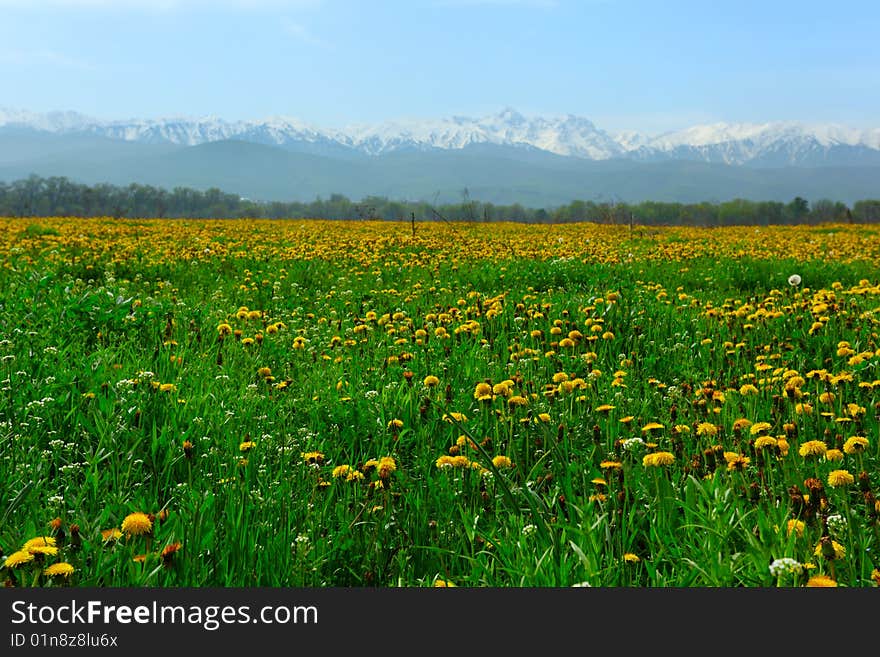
x=306 y=403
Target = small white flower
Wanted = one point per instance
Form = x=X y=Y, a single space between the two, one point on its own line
x=784 y=566
x=794 y=280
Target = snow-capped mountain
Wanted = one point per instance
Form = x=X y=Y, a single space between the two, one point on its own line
x=765 y=144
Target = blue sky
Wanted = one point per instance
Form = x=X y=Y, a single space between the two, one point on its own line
x=645 y=65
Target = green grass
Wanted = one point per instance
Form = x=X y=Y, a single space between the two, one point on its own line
x=80 y=442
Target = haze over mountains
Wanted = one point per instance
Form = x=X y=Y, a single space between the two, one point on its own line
x=503 y=158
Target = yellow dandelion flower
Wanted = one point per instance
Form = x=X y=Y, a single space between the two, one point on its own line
x=38 y=542
x=136 y=524
x=247 y=446
x=312 y=457
x=829 y=549
x=629 y=557
x=502 y=462
x=706 y=429
x=837 y=478
x=340 y=471
x=110 y=534
x=385 y=467
x=821 y=581
x=764 y=442
x=759 y=428
x=652 y=426
x=795 y=526
x=834 y=455
x=855 y=445
x=813 y=448
x=17 y=559
x=658 y=459
x=60 y=569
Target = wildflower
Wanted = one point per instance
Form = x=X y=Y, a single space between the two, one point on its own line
x=764 y=442
x=651 y=426
x=658 y=459
x=483 y=391
x=785 y=566
x=340 y=471
x=395 y=424
x=136 y=524
x=795 y=526
x=502 y=462
x=812 y=448
x=18 y=558
x=855 y=445
x=833 y=455
x=457 y=417
x=830 y=549
x=706 y=429
x=169 y=551
x=736 y=462
x=247 y=446
x=611 y=465
x=629 y=557
x=442 y=584
x=312 y=457
x=794 y=280
x=759 y=428
x=108 y=535
x=38 y=542
x=821 y=581
x=60 y=569
x=385 y=467
x=604 y=408
x=838 y=478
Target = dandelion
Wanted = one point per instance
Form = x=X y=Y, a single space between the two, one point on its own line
x=837 y=478
x=855 y=445
x=813 y=448
x=629 y=557
x=658 y=459
x=795 y=527
x=821 y=581
x=706 y=429
x=247 y=446
x=340 y=471
x=652 y=426
x=136 y=524
x=60 y=569
x=502 y=462
x=38 y=543
x=794 y=280
x=455 y=417
x=431 y=381
x=108 y=535
x=765 y=442
x=830 y=549
x=759 y=428
x=312 y=457
x=385 y=467
x=18 y=558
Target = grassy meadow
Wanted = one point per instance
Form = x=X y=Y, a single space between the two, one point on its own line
x=308 y=403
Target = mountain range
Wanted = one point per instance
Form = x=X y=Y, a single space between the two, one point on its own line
x=505 y=157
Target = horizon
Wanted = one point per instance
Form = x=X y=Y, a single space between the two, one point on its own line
x=625 y=65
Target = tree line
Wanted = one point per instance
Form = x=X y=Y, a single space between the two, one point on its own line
x=36 y=196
